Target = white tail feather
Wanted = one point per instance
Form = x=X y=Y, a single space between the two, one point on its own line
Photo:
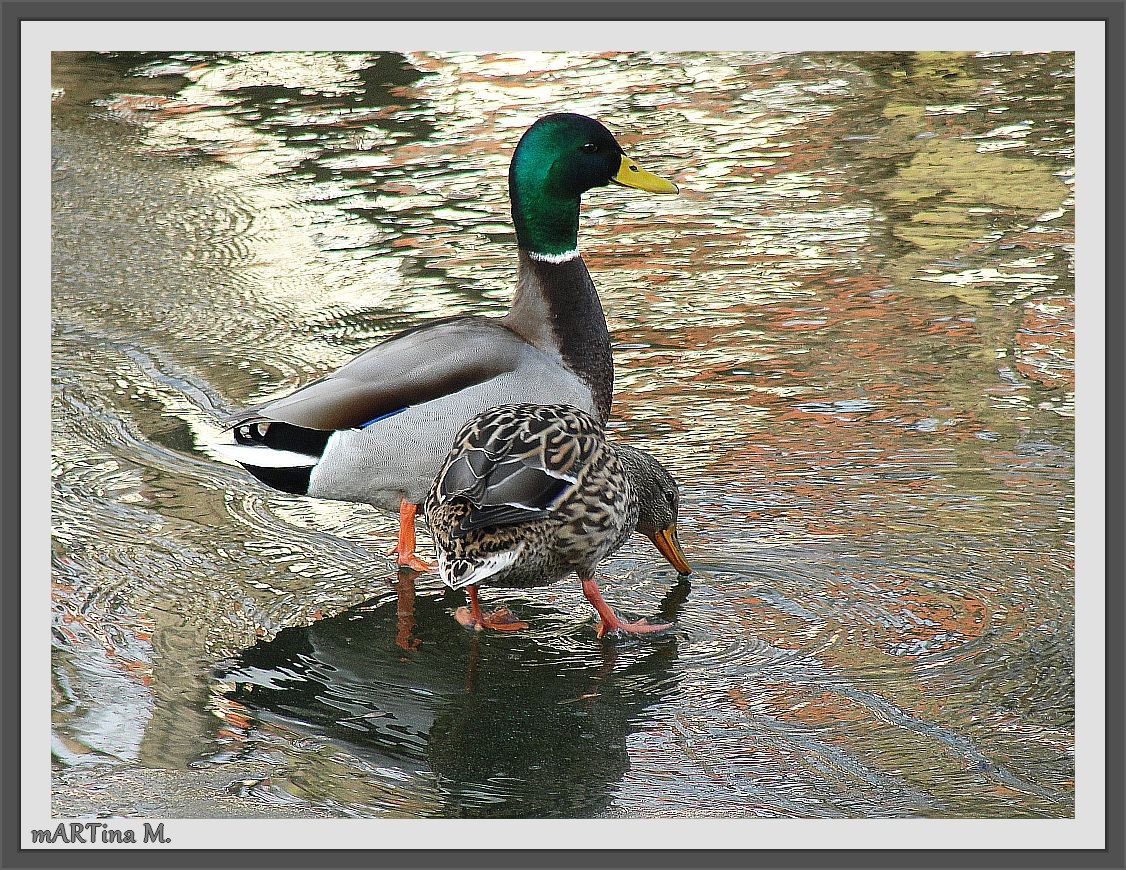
x=478 y=572
x=264 y=457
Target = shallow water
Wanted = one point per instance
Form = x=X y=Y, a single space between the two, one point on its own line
x=850 y=337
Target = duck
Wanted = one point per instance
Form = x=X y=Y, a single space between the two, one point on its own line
x=531 y=493
x=377 y=430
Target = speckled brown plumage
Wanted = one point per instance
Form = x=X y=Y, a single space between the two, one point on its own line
x=530 y=493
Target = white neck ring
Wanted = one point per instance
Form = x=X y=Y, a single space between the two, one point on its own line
x=555 y=258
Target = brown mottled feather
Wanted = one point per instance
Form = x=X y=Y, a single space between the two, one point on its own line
x=582 y=510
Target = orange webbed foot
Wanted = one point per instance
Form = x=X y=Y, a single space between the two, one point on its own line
x=410 y=560
x=642 y=626
x=403 y=551
x=499 y=620
x=609 y=623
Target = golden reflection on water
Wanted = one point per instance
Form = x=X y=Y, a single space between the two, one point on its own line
x=851 y=336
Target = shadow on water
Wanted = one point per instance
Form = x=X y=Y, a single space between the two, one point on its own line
x=505 y=725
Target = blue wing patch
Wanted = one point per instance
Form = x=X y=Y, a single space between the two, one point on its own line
x=381 y=417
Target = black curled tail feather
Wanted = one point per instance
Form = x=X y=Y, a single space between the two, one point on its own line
x=281 y=436
x=273 y=435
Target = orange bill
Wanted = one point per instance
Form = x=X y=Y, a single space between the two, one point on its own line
x=667 y=542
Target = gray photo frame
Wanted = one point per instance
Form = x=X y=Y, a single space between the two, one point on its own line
x=1111 y=12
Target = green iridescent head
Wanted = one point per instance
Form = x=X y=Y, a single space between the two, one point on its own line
x=557 y=160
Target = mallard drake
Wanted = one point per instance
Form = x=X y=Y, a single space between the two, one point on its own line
x=377 y=429
x=530 y=493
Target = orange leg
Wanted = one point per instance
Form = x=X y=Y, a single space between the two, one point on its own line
x=404 y=550
x=472 y=617
x=608 y=620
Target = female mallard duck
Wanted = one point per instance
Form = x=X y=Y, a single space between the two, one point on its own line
x=530 y=493
x=377 y=429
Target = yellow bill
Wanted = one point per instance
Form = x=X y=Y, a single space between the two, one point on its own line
x=667 y=542
x=632 y=175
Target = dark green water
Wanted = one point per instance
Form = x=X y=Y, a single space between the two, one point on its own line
x=850 y=337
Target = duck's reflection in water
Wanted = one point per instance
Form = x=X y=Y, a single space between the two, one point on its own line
x=523 y=724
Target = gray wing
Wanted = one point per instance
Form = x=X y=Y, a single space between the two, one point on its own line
x=410 y=368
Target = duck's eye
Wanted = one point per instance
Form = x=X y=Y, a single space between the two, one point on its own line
x=590 y=148
x=671 y=499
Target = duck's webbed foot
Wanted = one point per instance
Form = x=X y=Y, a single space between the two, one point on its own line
x=642 y=626
x=403 y=551
x=498 y=620
x=609 y=623
x=410 y=560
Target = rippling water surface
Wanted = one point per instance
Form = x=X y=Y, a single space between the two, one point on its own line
x=850 y=336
